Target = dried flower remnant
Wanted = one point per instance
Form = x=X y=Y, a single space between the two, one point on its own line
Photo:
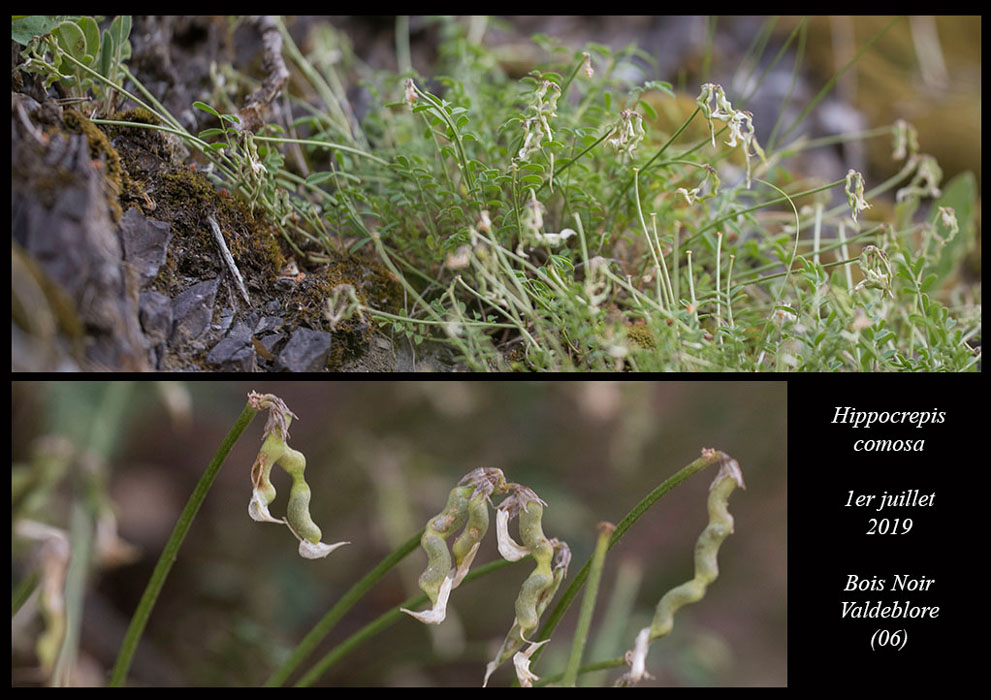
x=906 y=140
x=740 y=122
x=458 y=259
x=948 y=217
x=536 y=127
x=925 y=182
x=53 y=552
x=341 y=305
x=555 y=239
x=874 y=264
x=694 y=195
x=587 y=64
x=628 y=132
x=521 y=661
x=410 y=91
x=855 y=193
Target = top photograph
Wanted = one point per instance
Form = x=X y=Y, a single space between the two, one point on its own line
x=395 y=194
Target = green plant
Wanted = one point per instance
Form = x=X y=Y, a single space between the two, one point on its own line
x=558 y=223
x=49 y=41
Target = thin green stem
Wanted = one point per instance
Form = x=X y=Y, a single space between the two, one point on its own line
x=588 y=604
x=625 y=524
x=323 y=144
x=320 y=85
x=171 y=551
x=383 y=622
x=650 y=243
x=558 y=171
x=22 y=592
x=340 y=608
x=769 y=203
x=832 y=81
x=587 y=668
x=162 y=110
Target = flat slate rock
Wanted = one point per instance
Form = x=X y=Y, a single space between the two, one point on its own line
x=145 y=242
x=155 y=313
x=306 y=351
x=234 y=351
x=192 y=310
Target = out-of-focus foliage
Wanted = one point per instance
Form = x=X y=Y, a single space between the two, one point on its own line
x=381 y=459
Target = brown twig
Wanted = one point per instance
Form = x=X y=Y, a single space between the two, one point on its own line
x=276 y=75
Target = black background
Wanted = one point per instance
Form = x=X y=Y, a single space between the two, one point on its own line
x=828 y=541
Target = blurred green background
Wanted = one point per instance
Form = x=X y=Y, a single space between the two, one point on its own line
x=382 y=456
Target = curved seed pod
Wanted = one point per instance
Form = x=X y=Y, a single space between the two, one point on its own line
x=434 y=540
x=706 y=567
x=466 y=545
x=263 y=492
x=274 y=450
x=513 y=641
x=437 y=580
x=542 y=577
x=298 y=513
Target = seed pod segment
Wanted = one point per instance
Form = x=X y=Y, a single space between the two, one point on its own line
x=706 y=567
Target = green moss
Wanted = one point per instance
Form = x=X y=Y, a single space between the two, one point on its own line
x=99 y=148
x=139 y=115
x=641 y=336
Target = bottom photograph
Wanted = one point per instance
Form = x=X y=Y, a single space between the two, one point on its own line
x=575 y=533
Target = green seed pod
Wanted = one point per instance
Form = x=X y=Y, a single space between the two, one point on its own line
x=467 y=543
x=706 y=567
x=478 y=525
x=706 y=550
x=542 y=577
x=513 y=641
x=263 y=492
x=274 y=450
x=434 y=540
x=298 y=513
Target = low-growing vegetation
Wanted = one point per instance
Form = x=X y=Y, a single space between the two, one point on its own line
x=573 y=218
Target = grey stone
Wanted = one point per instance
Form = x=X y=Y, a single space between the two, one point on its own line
x=229 y=352
x=72 y=238
x=155 y=312
x=232 y=354
x=268 y=323
x=192 y=310
x=224 y=319
x=306 y=351
x=145 y=242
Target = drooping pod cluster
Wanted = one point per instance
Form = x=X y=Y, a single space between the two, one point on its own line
x=552 y=557
x=276 y=450
x=706 y=567
x=467 y=505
